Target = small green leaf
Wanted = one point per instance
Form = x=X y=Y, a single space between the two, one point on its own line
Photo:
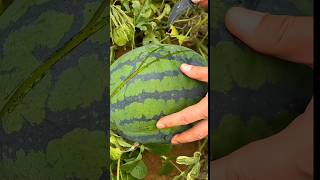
x=186 y=160
x=166 y=11
x=142 y=26
x=123 y=143
x=181 y=39
x=197 y=156
x=113 y=140
x=140 y=170
x=153 y=25
x=125 y=4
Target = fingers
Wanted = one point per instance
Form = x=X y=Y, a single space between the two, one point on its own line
x=201 y=3
x=195 y=72
x=197 y=132
x=192 y=113
x=285 y=37
x=186 y=116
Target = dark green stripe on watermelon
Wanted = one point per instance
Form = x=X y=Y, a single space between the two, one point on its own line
x=146 y=84
x=169 y=95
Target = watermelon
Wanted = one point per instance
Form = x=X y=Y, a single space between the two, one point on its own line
x=53 y=127
x=254 y=96
x=146 y=84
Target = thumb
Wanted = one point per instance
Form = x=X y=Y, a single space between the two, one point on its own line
x=285 y=37
x=286 y=155
x=195 y=72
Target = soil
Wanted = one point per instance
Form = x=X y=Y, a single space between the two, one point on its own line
x=154 y=162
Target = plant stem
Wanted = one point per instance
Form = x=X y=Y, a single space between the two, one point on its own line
x=176 y=166
x=186 y=20
x=165 y=158
x=203 y=144
x=118 y=169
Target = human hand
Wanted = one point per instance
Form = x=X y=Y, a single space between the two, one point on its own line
x=201 y=3
x=197 y=112
x=288 y=154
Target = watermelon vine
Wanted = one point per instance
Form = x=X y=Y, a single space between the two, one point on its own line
x=95 y=24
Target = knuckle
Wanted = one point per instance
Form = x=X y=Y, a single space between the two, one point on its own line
x=202 y=113
x=197 y=136
x=283 y=30
x=183 y=119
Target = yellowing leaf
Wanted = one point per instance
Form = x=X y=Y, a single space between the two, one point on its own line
x=174 y=31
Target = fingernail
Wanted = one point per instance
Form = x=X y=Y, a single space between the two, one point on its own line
x=160 y=125
x=243 y=21
x=174 y=140
x=186 y=67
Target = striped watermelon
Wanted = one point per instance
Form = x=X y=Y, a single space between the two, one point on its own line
x=146 y=84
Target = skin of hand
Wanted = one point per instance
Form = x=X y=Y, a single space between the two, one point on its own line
x=197 y=112
x=201 y=3
x=288 y=154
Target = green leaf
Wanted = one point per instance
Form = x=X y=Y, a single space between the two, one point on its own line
x=136 y=7
x=185 y=160
x=115 y=153
x=150 y=38
x=113 y=140
x=142 y=26
x=119 y=36
x=123 y=143
x=125 y=4
x=195 y=172
x=128 y=166
x=159 y=149
x=166 y=168
x=166 y=11
x=142 y=14
x=181 y=39
x=140 y=170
